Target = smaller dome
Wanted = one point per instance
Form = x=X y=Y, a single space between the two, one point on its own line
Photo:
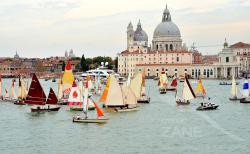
x=140 y=34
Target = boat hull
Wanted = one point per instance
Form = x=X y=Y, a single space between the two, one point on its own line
x=244 y=101
x=83 y=120
x=19 y=103
x=202 y=108
x=235 y=99
x=170 y=89
x=45 y=109
x=80 y=109
x=143 y=100
x=182 y=103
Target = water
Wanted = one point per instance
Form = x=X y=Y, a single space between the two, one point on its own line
x=158 y=127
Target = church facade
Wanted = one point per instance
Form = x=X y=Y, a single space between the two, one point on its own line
x=169 y=54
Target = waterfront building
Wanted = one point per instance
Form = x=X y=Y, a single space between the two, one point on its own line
x=169 y=54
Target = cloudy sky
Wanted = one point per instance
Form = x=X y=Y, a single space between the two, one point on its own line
x=43 y=28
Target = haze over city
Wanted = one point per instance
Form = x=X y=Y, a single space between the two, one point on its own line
x=44 y=28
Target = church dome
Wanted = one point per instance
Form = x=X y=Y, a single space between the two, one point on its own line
x=167 y=28
x=140 y=34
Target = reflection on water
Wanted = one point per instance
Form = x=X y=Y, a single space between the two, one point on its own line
x=158 y=127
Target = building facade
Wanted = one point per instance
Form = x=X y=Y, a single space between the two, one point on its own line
x=168 y=54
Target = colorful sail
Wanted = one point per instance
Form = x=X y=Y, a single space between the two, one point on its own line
x=143 y=85
x=245 y=91
x=234 y=88
x=67 y=79
x=200 y=88
x=105 y=91
x=174 y=82
x=52 y=99
x=129 y=97
x=36 y=95
x=75 y=96
x=98 y=110
x=187 y=92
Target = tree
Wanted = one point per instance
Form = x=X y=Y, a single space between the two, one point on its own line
x=116 y=63
x=63 y=66
x=84 y=67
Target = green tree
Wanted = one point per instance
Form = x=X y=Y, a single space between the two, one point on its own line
x=63 y=66
x=83 y=64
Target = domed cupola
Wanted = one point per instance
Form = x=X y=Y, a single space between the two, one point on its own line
x=167 y=35
x=140 y=34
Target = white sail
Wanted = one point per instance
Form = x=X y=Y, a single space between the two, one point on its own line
x=80 y=87
x=136 y=85
x=75 y=95
x=187 y=92
x=12 y=91
x=114 y=97
x=85 y=100
x=129 y=97
x=60 y=90
x=234 y=88
x=129 y=80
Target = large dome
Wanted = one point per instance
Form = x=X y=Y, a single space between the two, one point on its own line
x=167 y=29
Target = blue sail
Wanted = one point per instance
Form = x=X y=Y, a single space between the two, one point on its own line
x=245 y=91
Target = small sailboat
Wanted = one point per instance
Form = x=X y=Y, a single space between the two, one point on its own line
x=200 y=90
x=86 y=119
x=245 y=93
x=12 y=97
x=37 y=98
x=187 y=94
x=143 y=97
x=234 y=91
x=117 y=98
x=163 y=83
x=21 y=93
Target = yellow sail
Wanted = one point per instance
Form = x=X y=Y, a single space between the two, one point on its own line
x=68 y=77
x=200 y=88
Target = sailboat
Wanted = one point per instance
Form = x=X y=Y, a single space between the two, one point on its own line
x=143 y=97
x=21 y=93
x=37 y=97
x=12 y=95
x=86 y=119
x=97 y=84
x=234 y=91
x=200 y=90
x=187 y=94
x=245 y=93
x=163 y=83
x=117 y=98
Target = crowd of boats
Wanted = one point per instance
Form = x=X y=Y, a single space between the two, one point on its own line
x=115 y=94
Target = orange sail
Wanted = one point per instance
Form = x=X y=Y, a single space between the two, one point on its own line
x=98 y=110
x=200 y=88
x=105 y=92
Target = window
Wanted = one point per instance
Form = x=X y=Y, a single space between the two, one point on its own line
x=166 y=47
x=185 y=70
x=157 y=47
x=177 y=59
x=227 y=59
x=171 y=47
x=204 y=73
x=175 y=69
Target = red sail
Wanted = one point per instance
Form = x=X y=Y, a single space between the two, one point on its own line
x=174 y=83
x=98 y=110
x=52 y=99
x=36 y=95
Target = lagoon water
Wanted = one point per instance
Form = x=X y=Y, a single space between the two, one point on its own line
x=158 y=127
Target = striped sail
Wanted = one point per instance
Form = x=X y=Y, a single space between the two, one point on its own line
x=187 y=92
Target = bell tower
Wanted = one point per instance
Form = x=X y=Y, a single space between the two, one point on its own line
x=130 y=35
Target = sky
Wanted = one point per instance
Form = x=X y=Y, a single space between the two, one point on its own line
x=44 y=28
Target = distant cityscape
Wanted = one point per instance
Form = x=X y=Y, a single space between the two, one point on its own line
x=17 y=65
